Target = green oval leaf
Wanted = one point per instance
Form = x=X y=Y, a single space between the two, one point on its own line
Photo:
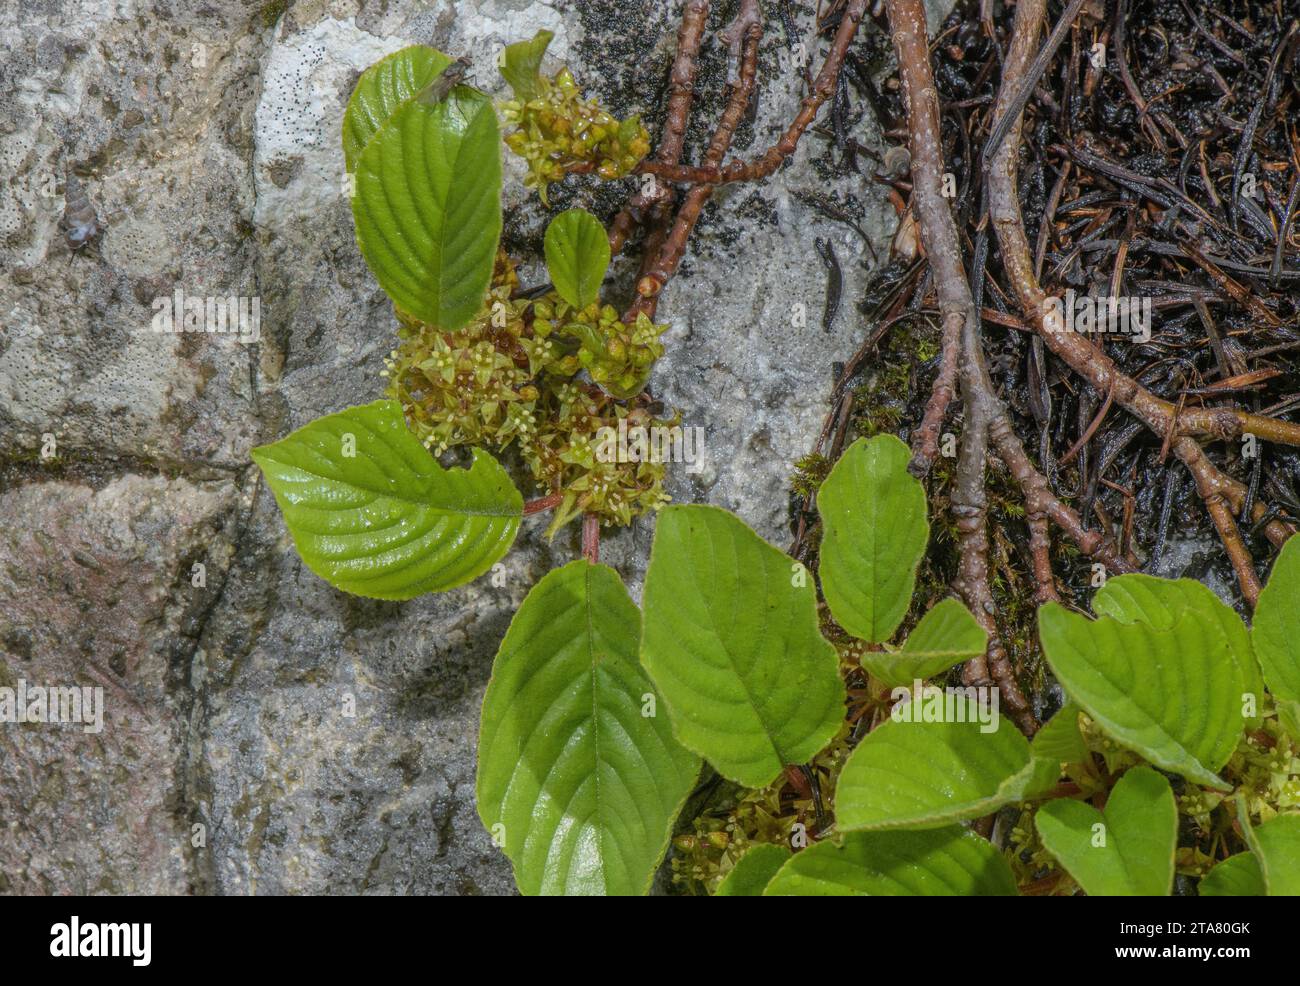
x=945 y=636
x=1236 y=876
x=1288 y=717
x=1276 y=845
x=576 y=762
x=753 y=871
x=1060 y=740
x=914 y=773
x=875 y=531
x=1160 y=602
x=381 y=91
x=731 y=640
x=428 y=206
x=947 y=862
x=1172 y=692
x=577 y=256
x=521 y=65
x=1276 y=631
x=1125 y=850
x=373 y=513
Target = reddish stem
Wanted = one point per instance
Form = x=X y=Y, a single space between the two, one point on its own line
x=543 y=503
x=591 y=538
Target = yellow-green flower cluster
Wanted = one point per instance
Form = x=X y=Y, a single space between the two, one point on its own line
x=1266 y=765
x=776 y=814
x=579 y=453
x=558 y=132
x=511 y=377
x=616 y=355
x=465 y=387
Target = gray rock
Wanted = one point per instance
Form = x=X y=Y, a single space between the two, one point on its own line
x=323 y=743
x=96 y=592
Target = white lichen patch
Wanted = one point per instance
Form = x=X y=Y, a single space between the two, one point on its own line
x=481 y=30
x=298 y=157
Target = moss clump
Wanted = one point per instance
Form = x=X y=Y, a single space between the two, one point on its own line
x=271 y=13
x=809 y=474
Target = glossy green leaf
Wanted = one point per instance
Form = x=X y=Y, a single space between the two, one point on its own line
x=875 y=531
x=1276 y=845
x=381 y=91
x=579 y=776
x=373 y=513
x=1172 y=693
x=945 y=636
x=1160 y=602
x=521 y=65
x=1288 y=717
x=947 y=862
x=1125 y=850
x=753 y=871
x=1276 y=632
x=731 y=639
x=1236 y=876
x=1060 y=739
x=428 y=206
x=577 y=256
x=923 y=774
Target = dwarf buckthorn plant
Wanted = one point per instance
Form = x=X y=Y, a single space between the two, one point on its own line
x=1174 y=754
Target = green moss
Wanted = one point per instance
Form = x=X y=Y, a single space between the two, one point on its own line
x=270 y=15
x=809 y=474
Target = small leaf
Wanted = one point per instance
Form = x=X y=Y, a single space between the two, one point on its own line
x=753 y=871
x=731 y=639
x=577 y=256
x=1276 y=633
x=873 y=512
x=923 y=774
x=521 y=65
x=576 y=762
x=945 y=636
x=373 y=513
x=1172 y=693
x=1126 y=850
x=1236 y=876
x=1276 y=846
x=381 y=91
x=947 y=862
x=428 y=206
x=1060 y=739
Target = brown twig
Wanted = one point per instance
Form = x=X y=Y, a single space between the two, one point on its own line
x=1040 y=500
x=681 y=80
x=766 y=164
x=1078 y=352
x=654 y=205
x=968 y=498
x=543 y=503
x=925 y=441
x=1214 y=489
x=1027 y=78
x=668 y=257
